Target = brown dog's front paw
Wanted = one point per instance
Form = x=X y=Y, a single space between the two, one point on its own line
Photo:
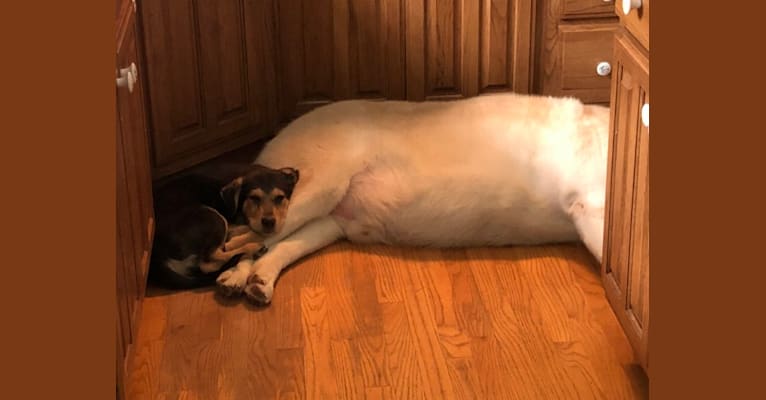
x=259 y=292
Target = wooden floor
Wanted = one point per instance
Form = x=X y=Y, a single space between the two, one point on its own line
x=376 y=322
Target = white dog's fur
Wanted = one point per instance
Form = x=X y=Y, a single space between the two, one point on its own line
x=491 y=170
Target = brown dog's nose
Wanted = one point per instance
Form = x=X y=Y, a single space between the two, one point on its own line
x=268 y=222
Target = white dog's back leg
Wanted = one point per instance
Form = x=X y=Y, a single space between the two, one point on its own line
x=308 y=239
x=588 y=217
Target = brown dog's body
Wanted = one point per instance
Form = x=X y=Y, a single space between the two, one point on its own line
x=203 y=224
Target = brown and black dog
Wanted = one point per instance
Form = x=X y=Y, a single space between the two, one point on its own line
x=206 y=223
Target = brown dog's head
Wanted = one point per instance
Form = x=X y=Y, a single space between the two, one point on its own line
x=261 y=197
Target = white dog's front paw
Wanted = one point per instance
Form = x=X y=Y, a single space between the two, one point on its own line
x=259 y=291
x=232 y=282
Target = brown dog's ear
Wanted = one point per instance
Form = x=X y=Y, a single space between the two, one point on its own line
x=292 y=175
x=230 y=196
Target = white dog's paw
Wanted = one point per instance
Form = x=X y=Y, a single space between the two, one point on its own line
x=232 y=282
x=259 y=291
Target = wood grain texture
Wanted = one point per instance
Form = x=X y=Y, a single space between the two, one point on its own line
x=378 y=322
x=505 y=45
x=134 y=207
x=626 y=230
x=573 y=36
x=442 y=49
x=206 y=78
x=636 y=22
x=330 y=50
x=587 y=8
x=462 y=48
x=573 y=50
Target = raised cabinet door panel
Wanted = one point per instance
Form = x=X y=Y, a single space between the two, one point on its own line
x=626 y=245
x=224 y=65
x=450 y=54
x=376 y=49
x=620 y=181
x=200 y=75
x=174 y=75
x=462 y=48
x=638 y=291
x=505 y=45
x=442 y=49
x=332 y=50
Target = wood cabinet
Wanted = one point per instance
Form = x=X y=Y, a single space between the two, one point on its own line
x=462 y=48
x=134 y=205
x=208 y=76
x=224 y=74
x=388 y=49
x=335 y=50
x=575 y=37
x=625 y=268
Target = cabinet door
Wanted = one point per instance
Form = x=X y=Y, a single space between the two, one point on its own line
x=206 y=78
x=332 y=50
x=626 y=245
x=637 y=295
x=133 y=146
x=461 y=48
x=134 y=206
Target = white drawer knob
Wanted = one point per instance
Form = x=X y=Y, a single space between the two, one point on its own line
x=628 y=5
x=603 y=68
x=645 y=115
x=128 y=77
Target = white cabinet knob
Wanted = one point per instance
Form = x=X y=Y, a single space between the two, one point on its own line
x=645 y=115
x=628 y=5
x=603 y=68
x=128 y=77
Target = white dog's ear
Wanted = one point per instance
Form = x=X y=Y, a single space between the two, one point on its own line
x=230 y=196
x=292 y=175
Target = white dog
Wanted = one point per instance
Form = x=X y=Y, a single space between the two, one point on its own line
x=493 y=170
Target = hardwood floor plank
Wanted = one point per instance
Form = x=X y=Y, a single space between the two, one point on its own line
x=348 y=380
x=248 y=353
x=370 y=351
x=148 y=350
x=431 y=357
x=317 y=363
x=402 y=368
x=381 y=322
x=291 y=383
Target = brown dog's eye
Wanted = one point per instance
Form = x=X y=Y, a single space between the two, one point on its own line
x=279 y=199
x=255 y=199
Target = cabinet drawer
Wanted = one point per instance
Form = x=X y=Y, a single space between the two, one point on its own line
x=583 y=47
x=587 y=8
x=636 y=21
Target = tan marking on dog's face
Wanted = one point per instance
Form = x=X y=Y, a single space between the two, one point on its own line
x=265 y=212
